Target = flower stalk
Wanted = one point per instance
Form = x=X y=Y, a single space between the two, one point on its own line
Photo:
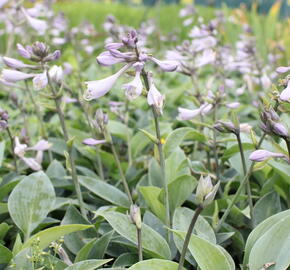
x=57 y=100
x=188 y=235
x=161 y=156
x=12 y=148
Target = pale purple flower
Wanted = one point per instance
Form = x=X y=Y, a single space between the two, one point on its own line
x=285 y=94
x=41 y=145
x=280 y=130
x=282 y=69
x=245 y=127
x=107 y=59
x=19 y=148
x=68 y=69
x=261 y=155
x=56 y=73
x=208 y=56
x=97 y=89
x=230 y=83
x=241 y=90
x=155 y=98
x=113 y=45
x=10 y=75
x=32 y=163
x=166 y=65
x=15 y=64
x=266 y=82
x=203 y=43
x=24 y=52
x=93 y=142
x=40 y=81
x=134 y=88
x=39 y=25
x=186 y=114
x=188 y=22
x=233 y=105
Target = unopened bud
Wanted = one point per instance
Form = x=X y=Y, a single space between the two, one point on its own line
x=205 y=191
x=226 y=127
x=135 y=216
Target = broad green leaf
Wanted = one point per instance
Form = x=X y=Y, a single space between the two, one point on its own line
x=151 y=196
x=155 y=264
x=179 y=190
x=4 y=228
x=99 y=249
x=153 y=243
x=2 y=149
x=266 y=206
x=30 y=201
x=233 y=150
x=200 y=250
x=5 y=254
x=155 y=174
x=273 y=246
x=260 y=230
x=176 y=137
x=83 y=254
x=126 y=259
x=87 y=265
x=119 y=129
x=49 y=235
x=105 y=191
x=6 y=188
x=55 y=170
x=76 y=240
x=282 y=169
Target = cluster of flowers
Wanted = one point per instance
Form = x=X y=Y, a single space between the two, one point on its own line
x=135 y=57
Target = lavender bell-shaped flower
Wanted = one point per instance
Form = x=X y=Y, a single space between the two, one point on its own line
x=166 y=65
x=97 y=89
x=186 y=114
x=39 y=25
x=282 y=69
x=285 y=94
x=40 y=81
x=107 y=59
x=134 y=88
x=15 y=75
x=15 y=64
x=93 y=142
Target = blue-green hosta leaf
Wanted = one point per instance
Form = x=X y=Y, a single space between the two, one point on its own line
x=272 y=247
x=176 y=137
x=261 y=230
x=105 y=191
x=155 y=264
x=153 y=243
x=87 y=265
x=30 y=201
x=207 y=255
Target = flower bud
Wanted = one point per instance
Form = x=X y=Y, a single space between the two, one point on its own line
x=135 y=216
x=280 y=130
x=205 y=191
x=226 y=127
x=56 y=74
x=101 y=120
x=261 y=155
x=40 y=50
x=24 y=52
x=281 y=70
x=3 y=125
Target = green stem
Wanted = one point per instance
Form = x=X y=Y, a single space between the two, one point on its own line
x=238 y=192
x=128 y=133
x=188 y=235
x=288 y=145
x=215 y=144
x=12 y=149
x=161 y=158
x=117 y=160
x=248 y=187
x=74 y=175
x=39 y=117
x=139 y=238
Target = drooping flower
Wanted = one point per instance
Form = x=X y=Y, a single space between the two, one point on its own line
x=39 y=25
x=93 y=142
x=186 y=114
x=97 y=89
x=15 y=64
x=282 y=69
x=134 y=88
x=233 y=105
x=10 y=75
x=285 y=94
x=107 y=59
x=155 y=98
x=261 y=155
x=166 y=65
x=40 y=81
